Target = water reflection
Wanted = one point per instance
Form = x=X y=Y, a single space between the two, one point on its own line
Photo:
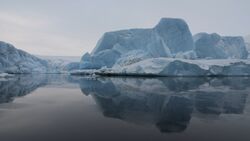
x=21 y=85
x=168 y=103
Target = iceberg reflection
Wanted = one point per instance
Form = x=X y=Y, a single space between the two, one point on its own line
x=168 y=103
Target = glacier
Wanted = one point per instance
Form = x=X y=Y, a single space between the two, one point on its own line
x=168 y=49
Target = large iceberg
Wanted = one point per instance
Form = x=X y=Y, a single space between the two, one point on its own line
x=168 y=49
x=170 y=37
x=214 y=46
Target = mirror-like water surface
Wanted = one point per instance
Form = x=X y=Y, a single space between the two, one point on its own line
x=61 y=107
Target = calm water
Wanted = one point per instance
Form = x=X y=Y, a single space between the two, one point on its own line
x=59 y=107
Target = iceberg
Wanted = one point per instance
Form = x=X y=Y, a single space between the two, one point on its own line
x=167 y=39
x=168 y=49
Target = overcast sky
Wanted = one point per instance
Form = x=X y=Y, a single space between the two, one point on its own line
x=72 y=27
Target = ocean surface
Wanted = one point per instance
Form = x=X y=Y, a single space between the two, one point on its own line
x=73 y=108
